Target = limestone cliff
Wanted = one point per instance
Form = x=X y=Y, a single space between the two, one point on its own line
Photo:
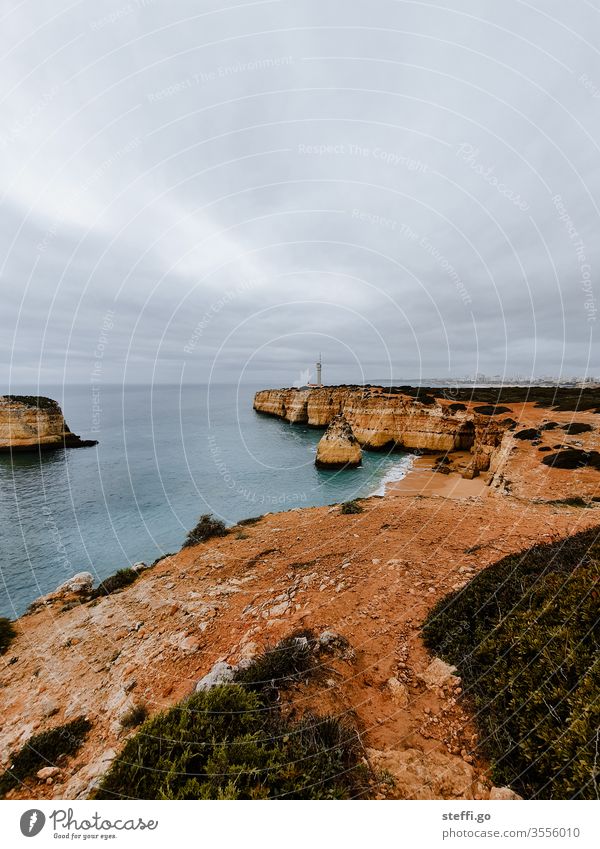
x=386 y=419
x=32 y=423
x=338 y=447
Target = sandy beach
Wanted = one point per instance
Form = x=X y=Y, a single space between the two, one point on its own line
x=423 y=480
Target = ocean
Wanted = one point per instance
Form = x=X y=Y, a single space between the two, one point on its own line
x=166 y=454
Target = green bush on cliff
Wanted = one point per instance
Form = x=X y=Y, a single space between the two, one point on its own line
x=524 y=635
x=206 y=528
x=228 y=743
x=122 y=578
x=7 y=633
x=349 y=508
x=134 y=716
x=284 y=664
x=39 y=402
x=43 y=750
x=234 y=742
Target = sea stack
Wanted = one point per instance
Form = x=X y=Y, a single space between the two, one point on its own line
x=338 y=447
x=32 y=423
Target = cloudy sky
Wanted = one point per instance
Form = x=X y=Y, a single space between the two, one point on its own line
x=219 y=190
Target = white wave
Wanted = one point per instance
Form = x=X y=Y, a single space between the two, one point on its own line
x=395 y=473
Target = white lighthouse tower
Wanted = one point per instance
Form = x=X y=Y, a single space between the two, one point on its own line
x=319 y=364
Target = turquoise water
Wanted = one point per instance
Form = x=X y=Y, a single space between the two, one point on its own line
x=166 y=454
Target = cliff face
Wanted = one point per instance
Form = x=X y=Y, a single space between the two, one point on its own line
x=381 y=419
x=31 y=423
x=338 y=448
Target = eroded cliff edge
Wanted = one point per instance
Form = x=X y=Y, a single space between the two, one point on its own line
x=30 y=422
x=384 y=420
x=372 y=577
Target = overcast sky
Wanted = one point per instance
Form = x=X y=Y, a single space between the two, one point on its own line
x=208 y=190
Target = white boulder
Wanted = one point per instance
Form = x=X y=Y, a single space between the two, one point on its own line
x=221 y=673
x=80 y=583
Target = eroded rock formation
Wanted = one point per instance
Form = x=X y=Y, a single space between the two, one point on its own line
x=338 y=447
x=382 y=419
x=32 y=423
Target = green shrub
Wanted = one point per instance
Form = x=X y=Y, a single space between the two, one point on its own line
x=284 y=664
x=489 y=410
x=162 y=557
x=252 y=520
x=573 y=458
x=43 y=750
x=528 y=433
x=571 y=501
x=134 y=716
x=227 y=743
x=524 y=635
x=7 y=633
x=350 y=507
x=122 y=578
x=37 y=401
x=233 y=742
x=206 y=528
x=574 y=428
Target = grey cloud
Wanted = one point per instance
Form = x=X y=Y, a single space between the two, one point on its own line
x=375 y=181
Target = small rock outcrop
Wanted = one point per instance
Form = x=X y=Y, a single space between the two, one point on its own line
x=80 y=584
x=76 y=588
x=497 y=793
x=338 y=447
x=438 y=674
x=32 y=423
x=426 y=775
x=221 y=673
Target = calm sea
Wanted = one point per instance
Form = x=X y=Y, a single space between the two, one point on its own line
x=166 y=454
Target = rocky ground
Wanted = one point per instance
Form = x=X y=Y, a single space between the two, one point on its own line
x=371 y=577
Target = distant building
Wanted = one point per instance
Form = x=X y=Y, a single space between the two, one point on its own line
x=319 y=381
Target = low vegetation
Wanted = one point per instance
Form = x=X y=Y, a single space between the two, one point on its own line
x=207 y=527
x=524 y=636
x=276 y=668
x=134 y=716
x=574 y=428
x=571 y=501
x=251 y=520
x=43 y=750
x=573 y=458
x=235 y=741
x=350 y=507
x=528 y=433
x=122 y=578
x=558 y=398
x=37 y=401
x=162 y=557
x=7 y=633
x=490 y=410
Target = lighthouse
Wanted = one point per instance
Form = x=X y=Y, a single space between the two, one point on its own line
x=318 y=364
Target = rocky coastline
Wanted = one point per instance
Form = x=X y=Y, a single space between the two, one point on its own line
x=370 y=576
x=35 y=423
x=502 y=436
